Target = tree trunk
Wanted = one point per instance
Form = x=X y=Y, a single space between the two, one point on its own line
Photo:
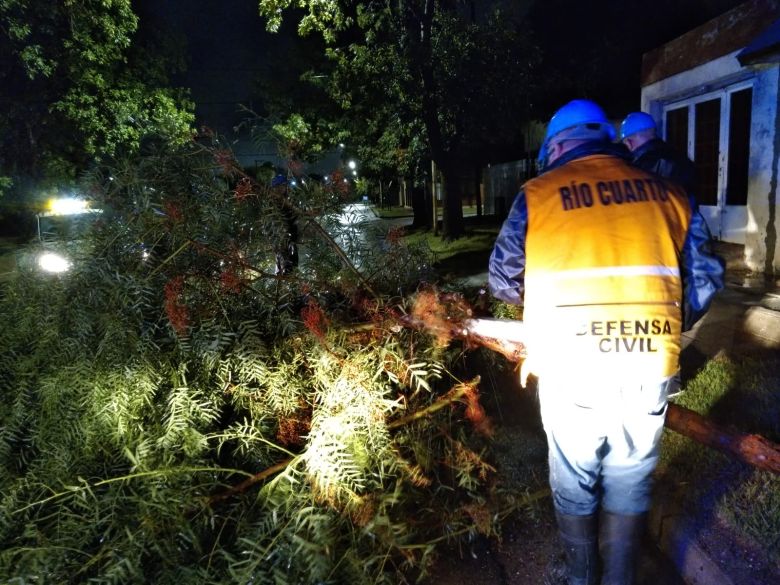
x=421 y=206
x=452 y=212
x=478 y=188
x=419 y=30
x=752 y=449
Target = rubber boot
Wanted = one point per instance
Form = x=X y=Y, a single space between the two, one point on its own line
x=619 y=544
x=579 y=536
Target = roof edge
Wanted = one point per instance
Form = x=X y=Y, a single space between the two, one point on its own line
x=724 y=34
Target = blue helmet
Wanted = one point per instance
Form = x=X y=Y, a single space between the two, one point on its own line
x=636 y=122
x=278 y=180
x=583 y=114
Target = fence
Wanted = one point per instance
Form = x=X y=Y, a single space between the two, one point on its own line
x=502 y=182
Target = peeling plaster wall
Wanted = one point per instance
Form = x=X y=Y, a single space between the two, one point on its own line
x=762 y=238
x=762 y=245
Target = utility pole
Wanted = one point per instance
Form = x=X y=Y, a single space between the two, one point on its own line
x=433 y=199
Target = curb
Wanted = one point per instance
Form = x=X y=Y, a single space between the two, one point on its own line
x=676 y=539
x=737 y=322
x=764 y=325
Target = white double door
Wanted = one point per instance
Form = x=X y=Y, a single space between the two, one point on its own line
x=714 y=130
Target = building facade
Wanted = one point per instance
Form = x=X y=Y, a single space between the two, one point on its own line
x=715 y=93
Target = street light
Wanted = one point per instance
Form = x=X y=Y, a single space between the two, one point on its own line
x=352 y=164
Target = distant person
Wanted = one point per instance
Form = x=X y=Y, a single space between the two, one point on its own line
x=639 y=133
x=611 y=263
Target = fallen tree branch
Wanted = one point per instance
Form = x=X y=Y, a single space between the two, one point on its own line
x=454 y=395
x=752 y=449
x=513 y=351
x=250 y=481
x=457 y=392
x=748 y=448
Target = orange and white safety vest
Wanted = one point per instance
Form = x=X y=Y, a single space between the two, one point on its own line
x=602 y=277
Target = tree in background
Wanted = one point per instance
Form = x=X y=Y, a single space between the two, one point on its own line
x=293 y=107
x=81 y=82
x=457 y=81
x=424 y=71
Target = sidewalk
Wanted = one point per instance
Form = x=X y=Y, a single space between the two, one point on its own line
x=744 y=320
x=743 y=317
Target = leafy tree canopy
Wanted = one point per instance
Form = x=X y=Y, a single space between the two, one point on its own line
x=423 y=79
x=81 y=82
x=295 y=109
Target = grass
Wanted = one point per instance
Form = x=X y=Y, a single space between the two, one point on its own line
x=739 y=393
x=461 y=257
x=477 y=240
x=392 y=212
x=396 y=211
x=465 y=256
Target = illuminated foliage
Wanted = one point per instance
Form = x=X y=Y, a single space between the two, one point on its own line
x=173 y=412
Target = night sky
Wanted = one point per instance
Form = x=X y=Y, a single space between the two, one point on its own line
x=227 y=45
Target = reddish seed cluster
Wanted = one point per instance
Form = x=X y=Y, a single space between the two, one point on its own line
x=177 y=312
x=365 y=306
x=482 y=517
x=464 y=458
x=314 y=319
x=173 y=212
x=295 y=167
x=230 y=281
x=476 y=414
x=363 y=510
x=369 y=309
x=337 y=184
x=224 y=158
x=243 y=189
x=292 y=430
x=395 y=235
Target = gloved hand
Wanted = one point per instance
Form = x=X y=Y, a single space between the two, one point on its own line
x=527 y=369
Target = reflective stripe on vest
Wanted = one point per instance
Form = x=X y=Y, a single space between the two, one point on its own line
x=627 y=271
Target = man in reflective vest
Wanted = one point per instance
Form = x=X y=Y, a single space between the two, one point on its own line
x=611 y=263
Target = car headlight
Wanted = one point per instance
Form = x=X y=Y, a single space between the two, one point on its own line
x=51 y=262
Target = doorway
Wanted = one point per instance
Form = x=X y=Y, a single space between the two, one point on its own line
x=714 y=130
